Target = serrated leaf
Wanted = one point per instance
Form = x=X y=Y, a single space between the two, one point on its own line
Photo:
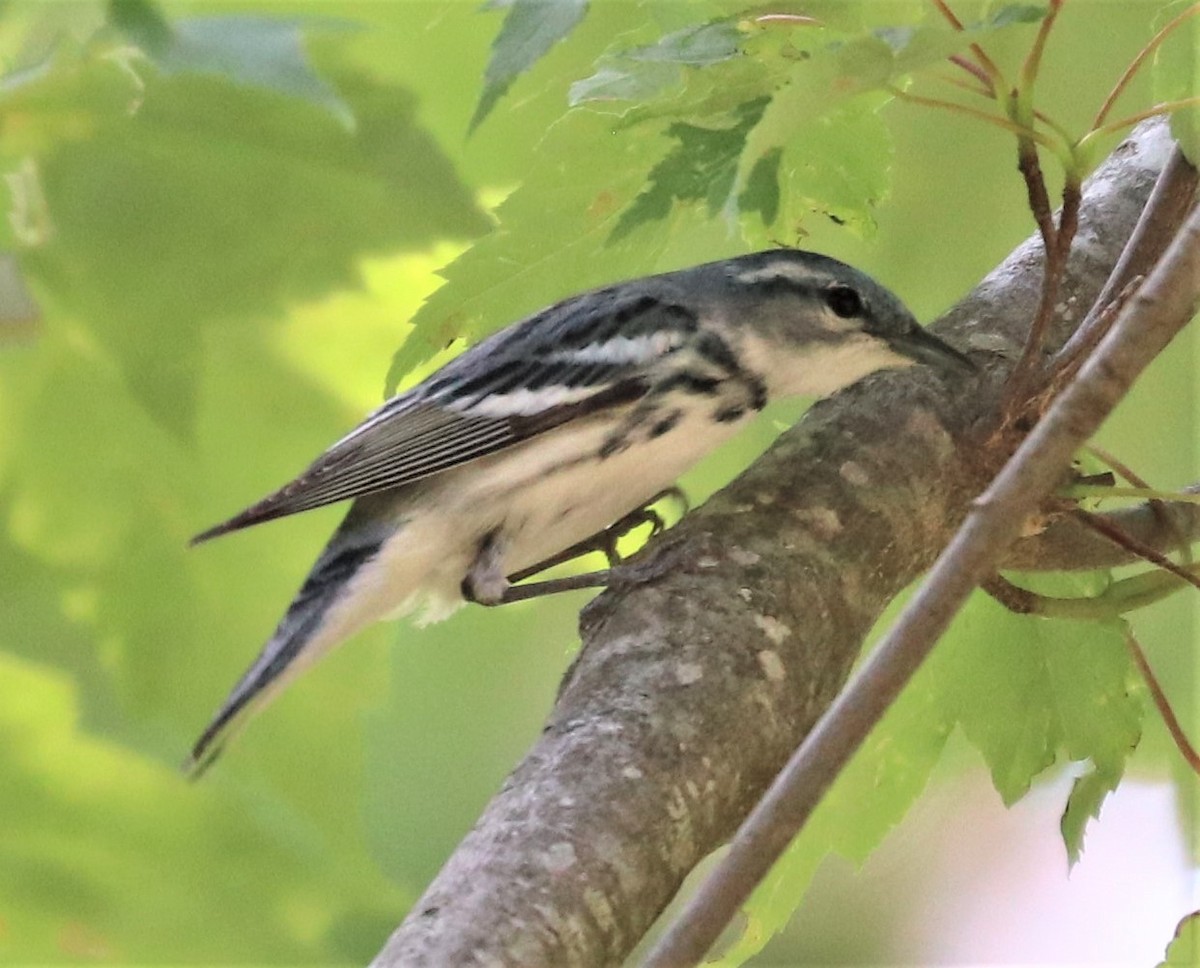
x=1184 y=949
x=642 y=83
x=814 y=88
x=1177 y=76
x=700 y=168
x=530 y=29
x=1056 y=687
x=696 y=46
x=553 y=239
x=1087 y=796
x=846 y=69
x=642 y=73
x=838 y=166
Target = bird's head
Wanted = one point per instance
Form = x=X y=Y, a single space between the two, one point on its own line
x=812 y=325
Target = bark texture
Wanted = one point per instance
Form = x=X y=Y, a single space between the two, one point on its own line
x=719 y=646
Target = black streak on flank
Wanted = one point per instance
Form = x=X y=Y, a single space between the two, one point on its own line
x=711 y=347
x=614 y=445
x=729 y=414
x=758 y=391
x=689 y=382
x=666 y=424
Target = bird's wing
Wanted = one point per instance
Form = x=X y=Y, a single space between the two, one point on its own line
x=523 y=382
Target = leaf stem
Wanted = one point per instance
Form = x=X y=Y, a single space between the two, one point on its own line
x=1136 y=63
x=1165 y=107
x=992 y=119
x=976 y=72
x=989 y=66
x=1033 y=64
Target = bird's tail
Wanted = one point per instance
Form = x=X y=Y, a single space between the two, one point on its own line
x=321 y=615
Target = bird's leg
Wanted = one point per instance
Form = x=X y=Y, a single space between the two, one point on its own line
x=606 y=539
x=551 y=586
x=486 y=585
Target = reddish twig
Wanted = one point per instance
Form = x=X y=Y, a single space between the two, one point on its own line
x=1102 y=525
x=1162 y=703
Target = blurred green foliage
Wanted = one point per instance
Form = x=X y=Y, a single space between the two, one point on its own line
x=228 y=215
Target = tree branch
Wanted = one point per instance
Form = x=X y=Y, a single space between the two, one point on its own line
x=723 y=642
x=1156 y=313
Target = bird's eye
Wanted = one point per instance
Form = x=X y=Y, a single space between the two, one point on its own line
x=844 y=301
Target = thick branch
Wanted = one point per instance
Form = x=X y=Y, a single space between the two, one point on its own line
x=1155 y=315
x=702 y=672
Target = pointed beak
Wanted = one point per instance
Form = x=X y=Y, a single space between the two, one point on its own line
x=923 y=347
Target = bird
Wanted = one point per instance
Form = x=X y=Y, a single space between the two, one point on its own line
x=547 y=437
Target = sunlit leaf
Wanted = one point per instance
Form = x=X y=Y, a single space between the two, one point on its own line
x=530 y=29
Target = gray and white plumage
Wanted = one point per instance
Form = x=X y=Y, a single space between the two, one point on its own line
x=552 y=429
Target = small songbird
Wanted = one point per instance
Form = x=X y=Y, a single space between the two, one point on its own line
x=539 y=438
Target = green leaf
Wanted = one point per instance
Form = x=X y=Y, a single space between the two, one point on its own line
x=642 y=73
x=259 y=52
x=1022 y=690
x=1184 y=949
x=553 y=240
x=848 y=68
x=696 y=46
x=838 y=166
x=530 y=29
x=700 y=168
x=1087 y=796
x=184 y=212
x=1177 y=76
x=1056 y=687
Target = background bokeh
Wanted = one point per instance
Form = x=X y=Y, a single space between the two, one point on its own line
x=223 y=273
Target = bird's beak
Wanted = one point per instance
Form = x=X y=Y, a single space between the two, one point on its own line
x=923 y=347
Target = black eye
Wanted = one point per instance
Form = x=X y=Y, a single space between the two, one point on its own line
x=844 y=301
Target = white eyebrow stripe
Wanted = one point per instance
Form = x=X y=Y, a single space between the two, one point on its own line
x=781 y=270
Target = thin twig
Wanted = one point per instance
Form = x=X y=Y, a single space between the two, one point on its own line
x=1162 y=703
x=1164 y=305
x=1160 y=508
x=1102 y=525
